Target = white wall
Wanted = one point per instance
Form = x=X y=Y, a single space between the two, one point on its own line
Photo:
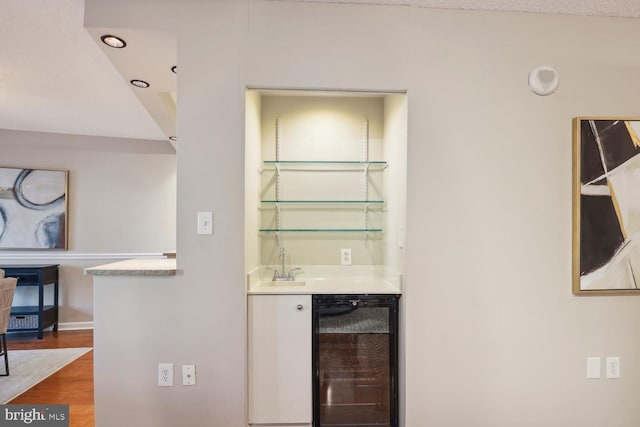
x=198 y=315
x=252 y=166
x=493 y=335
x=395 y=152
x=121 y=201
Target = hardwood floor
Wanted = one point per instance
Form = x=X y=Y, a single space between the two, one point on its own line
x=72 y=385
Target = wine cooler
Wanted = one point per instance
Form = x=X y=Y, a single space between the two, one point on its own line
x=355 y=360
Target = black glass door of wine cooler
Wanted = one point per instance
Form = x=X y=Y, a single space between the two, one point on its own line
x=355 y=360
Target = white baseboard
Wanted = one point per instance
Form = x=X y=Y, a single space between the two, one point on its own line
x=58 y=254
x=74 y=326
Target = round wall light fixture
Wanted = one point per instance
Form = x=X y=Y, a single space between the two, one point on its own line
x=543 y=80
x=140 y=83
x=113 y=41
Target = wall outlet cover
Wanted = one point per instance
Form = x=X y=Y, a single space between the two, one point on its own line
x=345 y=256
x=165 y=374
x=613 y=367
x=188 y=374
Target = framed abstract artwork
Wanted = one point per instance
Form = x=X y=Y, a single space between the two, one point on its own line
x=33 y=208
x=606 y=205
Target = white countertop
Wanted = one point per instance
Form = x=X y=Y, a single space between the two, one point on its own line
x=327 y=280
x=136 y=267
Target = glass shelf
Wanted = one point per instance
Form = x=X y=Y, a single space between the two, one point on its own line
x=325 y=164
x=325 y=202
x=321 y=230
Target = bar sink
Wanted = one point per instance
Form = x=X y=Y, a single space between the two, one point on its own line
x=284 y=283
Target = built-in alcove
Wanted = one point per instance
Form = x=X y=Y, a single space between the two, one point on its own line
x=325 y=171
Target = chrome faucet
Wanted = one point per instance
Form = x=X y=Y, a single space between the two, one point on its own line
x=282 y=259
x=283 y=276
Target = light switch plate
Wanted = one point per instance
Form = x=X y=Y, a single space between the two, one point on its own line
x=593 y=367
x=205 y=222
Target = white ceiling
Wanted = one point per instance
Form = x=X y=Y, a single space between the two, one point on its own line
x=621 y=8
x=55 y=75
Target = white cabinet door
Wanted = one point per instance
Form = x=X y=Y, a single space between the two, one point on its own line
x=280 y=359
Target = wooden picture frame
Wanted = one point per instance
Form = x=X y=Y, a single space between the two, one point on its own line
x=606 y=206
x=33 y=208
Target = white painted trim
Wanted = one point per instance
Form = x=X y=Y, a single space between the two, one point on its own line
x=76 y=255
x=75 y=326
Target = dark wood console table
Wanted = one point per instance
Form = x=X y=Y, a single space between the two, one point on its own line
x=36 y=317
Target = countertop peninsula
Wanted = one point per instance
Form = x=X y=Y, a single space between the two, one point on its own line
x=136 y=267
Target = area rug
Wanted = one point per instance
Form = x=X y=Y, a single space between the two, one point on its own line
x=28 y=367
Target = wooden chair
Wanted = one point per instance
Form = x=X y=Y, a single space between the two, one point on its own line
x=7 y=289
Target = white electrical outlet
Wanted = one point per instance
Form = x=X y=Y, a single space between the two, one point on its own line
x=165 y=374
x=345 y=256
x=613 y=367
x=188 y=374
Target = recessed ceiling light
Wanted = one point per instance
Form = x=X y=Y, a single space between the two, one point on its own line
x=113 y=41
x=173 y=138
x=140 y=83
x=174 y=69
